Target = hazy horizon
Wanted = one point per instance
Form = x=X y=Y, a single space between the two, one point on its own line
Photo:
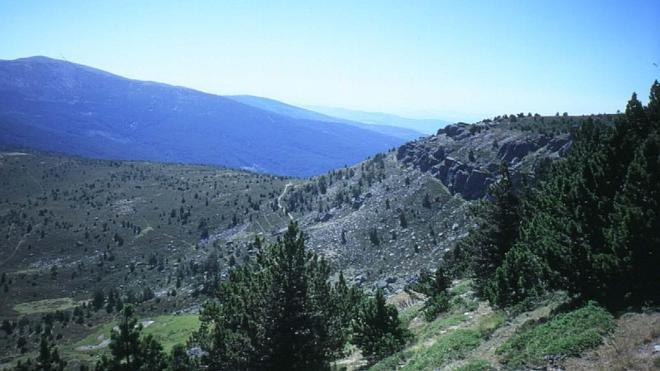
x=420 y=59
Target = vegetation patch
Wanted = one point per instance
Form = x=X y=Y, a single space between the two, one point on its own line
x=460 y=288
x=44 y=306
x=392 y=362
x=490 y=323
x=476 y=365
x=407 y=315
x=436 y=327
x=565 y=334
x=169 y=330
x=452 y=346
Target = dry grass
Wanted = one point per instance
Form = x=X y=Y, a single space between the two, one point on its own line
x=630 y=347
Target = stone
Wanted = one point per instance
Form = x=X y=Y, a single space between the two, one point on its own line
x=515 y=150
x=476 y=184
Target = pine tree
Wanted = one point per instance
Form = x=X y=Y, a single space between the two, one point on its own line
x=592 y=227
x=275 y=312
x=378 y=330
x=292 y=330
x=498 y=223
x=129 y=351
x=635 y=231
x=98 y=299
x=179 y=359
x=49 y=358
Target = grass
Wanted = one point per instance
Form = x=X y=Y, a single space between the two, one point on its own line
x=461 y=288
x=169 y=330
x=489 y=323
x=392 y=362
x=630 y=347
x=408 y=314
x=44 y=306
x=447 y=348
x=565 y=334
x=447 y=338
x=434 y=328
x=476 y=365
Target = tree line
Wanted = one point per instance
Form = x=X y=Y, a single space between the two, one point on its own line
x=278 y=311
x=590 y=223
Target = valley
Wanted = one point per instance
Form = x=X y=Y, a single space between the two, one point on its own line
x=162 y=235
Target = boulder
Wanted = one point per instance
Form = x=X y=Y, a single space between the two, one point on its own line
x=476 y=184
x=515 y=150
x=425 y=162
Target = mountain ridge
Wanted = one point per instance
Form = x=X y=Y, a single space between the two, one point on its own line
x=423 y=125
x=52 y=105
x=294 y=111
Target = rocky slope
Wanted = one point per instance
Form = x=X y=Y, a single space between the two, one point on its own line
x=466 y=158
x=353 y=216
x=380 y=221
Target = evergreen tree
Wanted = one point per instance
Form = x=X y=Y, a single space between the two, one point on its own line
x=278 y=311
x=129 y=351
x=592 y=226
x=179 y=360
x=635 y=231
x=98 y=299
x=498 y=223
x=378 y=330
x=49 y=358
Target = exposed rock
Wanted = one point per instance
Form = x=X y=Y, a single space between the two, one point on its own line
x=466 y=158
x=515 y=151
x=477 y=183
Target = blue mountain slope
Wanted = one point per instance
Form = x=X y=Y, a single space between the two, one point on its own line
x=60 y=106
x=301 y=113
x=426 y=126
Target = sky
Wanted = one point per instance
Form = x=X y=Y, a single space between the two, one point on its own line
x=443 y=59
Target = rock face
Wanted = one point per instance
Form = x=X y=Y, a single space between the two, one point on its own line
x=466 y=158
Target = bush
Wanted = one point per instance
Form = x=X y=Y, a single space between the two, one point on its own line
x=450 y=347
x=436 y=305
x=564 y=335
x=476 y=365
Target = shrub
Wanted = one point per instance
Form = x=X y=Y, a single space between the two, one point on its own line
x=566 y=334
x=437 y=304
x=450 y=347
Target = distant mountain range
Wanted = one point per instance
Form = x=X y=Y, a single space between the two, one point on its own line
x=301 y=113
x=54 y=105
x=425 y=126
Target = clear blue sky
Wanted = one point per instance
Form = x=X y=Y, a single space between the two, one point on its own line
x=464 y=59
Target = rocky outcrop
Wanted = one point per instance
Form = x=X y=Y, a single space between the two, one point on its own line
x=466 y=158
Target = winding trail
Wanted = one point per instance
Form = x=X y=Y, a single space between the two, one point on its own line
x=20 y=242
x=279 y=201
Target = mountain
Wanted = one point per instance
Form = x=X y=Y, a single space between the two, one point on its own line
x=161 y=235
x=301 y=113
x=426 y=126
x=74 y=212
x=59 y=106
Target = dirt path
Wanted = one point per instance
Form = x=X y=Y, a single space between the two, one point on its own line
x=279 y=201
x=18 y=245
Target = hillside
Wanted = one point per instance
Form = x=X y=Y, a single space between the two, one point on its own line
x=301 y=113
x=401 y=211
x=161 y=236
x=395 y=216
x=73 y=225
x=53 y=105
